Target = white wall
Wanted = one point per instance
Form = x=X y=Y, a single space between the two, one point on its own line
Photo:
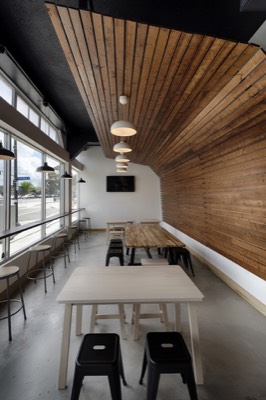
x=102 y=206
x=249 y=282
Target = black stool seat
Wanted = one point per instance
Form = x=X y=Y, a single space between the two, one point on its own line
x=117 y=241
x=114 y=253
x=115 y=246
x=99 y=355
x=167 y=353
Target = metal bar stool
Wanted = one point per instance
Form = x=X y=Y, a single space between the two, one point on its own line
x=73 y=237
x=6 y=273
x=83 y=227
x=60 y=237
x=100 y=355
x=33 y=275
x=88 y=225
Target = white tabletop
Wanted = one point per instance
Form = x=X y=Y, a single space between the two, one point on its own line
x=130 y=284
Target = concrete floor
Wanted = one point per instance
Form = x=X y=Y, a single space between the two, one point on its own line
x=232 y=333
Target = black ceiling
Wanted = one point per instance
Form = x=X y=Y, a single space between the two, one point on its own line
x=28 y=35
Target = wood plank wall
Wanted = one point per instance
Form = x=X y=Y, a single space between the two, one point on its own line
x=198 y=103
x=219 y=199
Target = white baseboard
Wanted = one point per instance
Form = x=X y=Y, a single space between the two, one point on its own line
x=258 y=305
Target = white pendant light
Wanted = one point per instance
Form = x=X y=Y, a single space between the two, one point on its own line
x=122 y=158
x=123 y=128
x=122 y=147
x=121 y=170
x=121 y=165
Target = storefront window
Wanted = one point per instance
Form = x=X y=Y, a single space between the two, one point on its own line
x=52 y=194
x=2 y=211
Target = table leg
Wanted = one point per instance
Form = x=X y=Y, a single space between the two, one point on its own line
x=136 y=321
x=65 y=347
x=107 y=233
x=122 y=320
x=195 y=347
x=132 y=256
x=171 y=255
x=177 y=318
x=79 y=320
x=148 y=252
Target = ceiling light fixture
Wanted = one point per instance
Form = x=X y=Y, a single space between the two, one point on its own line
x=123 y=128
x=121 y=165
x=122 y=147
x=45 y=168
x=121 y=170
x=6 y=154
x=66 y=175
x=122 y=158
x=81 y=181
x=123 y=99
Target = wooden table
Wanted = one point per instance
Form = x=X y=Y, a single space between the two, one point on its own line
x=129 y=285
x=148 y=236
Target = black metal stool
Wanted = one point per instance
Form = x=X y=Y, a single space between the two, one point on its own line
x=7 y=273
x=114 y=253
x=99 y=355
x=182 y=252
x=113 y=244
x=116 y=242
x=167 y=353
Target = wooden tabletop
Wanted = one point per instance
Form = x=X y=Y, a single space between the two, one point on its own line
x=148 y=236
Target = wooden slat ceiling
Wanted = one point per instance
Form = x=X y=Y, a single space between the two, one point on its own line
x=186 y=92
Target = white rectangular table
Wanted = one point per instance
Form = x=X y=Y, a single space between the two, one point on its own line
x=129 y=285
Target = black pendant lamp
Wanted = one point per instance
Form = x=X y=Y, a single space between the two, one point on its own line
x=45 y=168
x=66 y=175
x=6 y=154
x=81 y=181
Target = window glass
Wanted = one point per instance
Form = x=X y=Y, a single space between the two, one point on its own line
x=6 y=91
x=52 y=194
x=34 y=117
x=2 y=213
x=44 y=126
x=74 y=189
x=74 y=185
x=26 y=193
x=53 y=134
x=22 y=107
